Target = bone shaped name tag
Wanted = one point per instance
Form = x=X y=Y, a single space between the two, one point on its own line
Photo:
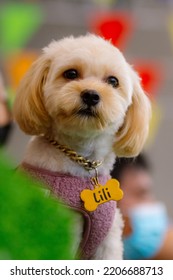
x=101 y=194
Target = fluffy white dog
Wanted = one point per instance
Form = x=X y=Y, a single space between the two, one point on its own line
x=82 y=93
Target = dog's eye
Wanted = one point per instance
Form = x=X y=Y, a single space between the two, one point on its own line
x=71 y=74
x=113 y=81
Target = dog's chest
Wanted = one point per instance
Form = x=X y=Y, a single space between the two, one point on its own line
x=68 y=189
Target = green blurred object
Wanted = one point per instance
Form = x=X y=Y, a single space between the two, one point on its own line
x=33 y=226
x=18 y=22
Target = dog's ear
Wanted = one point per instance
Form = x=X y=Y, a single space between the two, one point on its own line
x=131 y=137
x=29 y=109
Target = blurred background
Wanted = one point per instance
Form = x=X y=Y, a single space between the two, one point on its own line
x=143 y=30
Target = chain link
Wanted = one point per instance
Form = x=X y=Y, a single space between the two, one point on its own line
x=86 y=163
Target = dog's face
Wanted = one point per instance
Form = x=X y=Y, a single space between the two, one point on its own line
x=88 y=87
x=85 y=86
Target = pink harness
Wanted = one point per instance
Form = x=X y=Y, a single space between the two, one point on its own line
x=68 y=189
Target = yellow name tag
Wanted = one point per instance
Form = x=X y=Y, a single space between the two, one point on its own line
x=101 y=194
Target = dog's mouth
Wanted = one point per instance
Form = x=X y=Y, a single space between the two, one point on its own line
x=87 y=112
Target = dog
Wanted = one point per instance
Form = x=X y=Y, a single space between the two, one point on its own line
x=84 y=104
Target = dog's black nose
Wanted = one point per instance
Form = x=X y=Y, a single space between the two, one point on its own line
x=90 y=97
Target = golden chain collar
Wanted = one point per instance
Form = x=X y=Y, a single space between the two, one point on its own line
x=86 y=163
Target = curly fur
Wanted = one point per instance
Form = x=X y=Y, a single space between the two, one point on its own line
x=47 y=104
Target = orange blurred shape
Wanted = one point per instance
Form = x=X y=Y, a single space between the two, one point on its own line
x=17 y=65
x=114 y=26
x=127 y=230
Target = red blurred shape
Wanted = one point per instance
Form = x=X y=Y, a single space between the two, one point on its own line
x=117 y=26
x=151 y=74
